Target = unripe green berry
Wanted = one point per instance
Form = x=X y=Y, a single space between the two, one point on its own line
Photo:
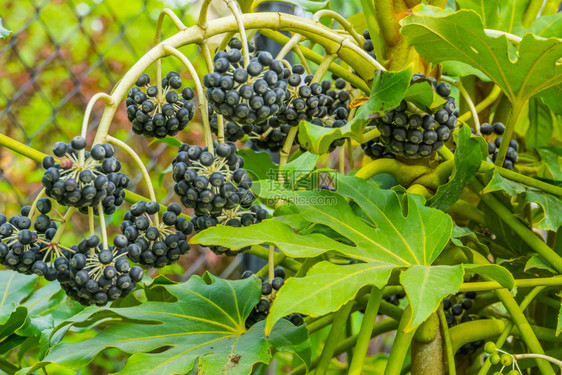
x=490 y=347
x=513 y=372
x=495 y=359
x=506 y=359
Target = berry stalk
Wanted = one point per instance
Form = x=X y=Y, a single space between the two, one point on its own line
x=447 y=339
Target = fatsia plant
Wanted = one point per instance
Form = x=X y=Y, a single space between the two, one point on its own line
x=442 y=239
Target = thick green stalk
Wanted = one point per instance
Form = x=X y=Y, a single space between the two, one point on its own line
x=518 y=227
x=387 y=21
x=509 y=130
x=507 y=330
x=401 y=345
x=531 y=13
x=551 y=7
x=263 y=252
x=386 y=325
x=308 y=262
x=525 y=328
x=448 y=343
x=365 y=333
x=21 y=149
x=333 y=338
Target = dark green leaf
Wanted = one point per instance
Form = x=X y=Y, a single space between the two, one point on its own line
x=494 y=272
x=207 y=325
x=460 y=37
x=499 y=14
x=468 y=157
x=552 y=157
x=537 y=262
x=298 y=168
x=423 y=96
x=14 y=287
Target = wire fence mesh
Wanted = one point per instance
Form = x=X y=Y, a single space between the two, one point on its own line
x=62 y=52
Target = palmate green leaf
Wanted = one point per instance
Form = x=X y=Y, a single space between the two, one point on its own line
x=426 y=286
x=548 y=26
x=552 y=159
x=468 y=157
x=206 y=324
x=423 y=96
x=494 y=272
x=389 y=88
x=460 y=37
x=388 y=235
x=298 y=168
x=326 y=285
x=549 y=219
x=499 y=14
x=258 y=164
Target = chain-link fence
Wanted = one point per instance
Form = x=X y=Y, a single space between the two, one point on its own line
x=62 y=52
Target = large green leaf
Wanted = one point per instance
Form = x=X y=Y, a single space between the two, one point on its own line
x=298 y=168
x=388 y=234
x=548 y=26
x=552 y=158
x=14 y=287
x=327 y=285
x=460 y=36
x=468 y=157
x=426 y=286
x=499 y=14
x=494 y=272
x=389 y=88
x=206 y=324
x=549 y=218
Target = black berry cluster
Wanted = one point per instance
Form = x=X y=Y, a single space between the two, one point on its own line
x=216 y=187
x=25 y=245
x=245 y=95
x=368 y=44
x=456 y=312
x=268 y=293
x=489 y=131
x=78 y=178
x=232 y=131
x=97 y=275
x=155 y=114
x=412 y=133
x=151 y=243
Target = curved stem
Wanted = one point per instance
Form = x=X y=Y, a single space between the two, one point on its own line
x=496 y=33
x=333 y=338
x=224 y=43
x=203 y=106
x=447 y=340
x=233 y=5
x=507 y=330
x=34 y=206
x=140 y=164
x=465 y=209
x=509 y=130
x=404 y=174
x=207 y=55
x=177 y=22
x=371 y=134
x=291 y=44
x=21 y=149
x=518 y=227
x=557 y=362
x=271 y=262
x=101 y=215
x=531 y=13
x=401 y=345
x=303 y=60
x=64 y=223
x=550 y=7
x=470 y=103
x=284 y=154
x=91 y=221
x=489 y=100
x=341 y=20
x=364 y=336
x=100 y=95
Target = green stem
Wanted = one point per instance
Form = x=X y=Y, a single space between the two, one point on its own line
x=263 y=253
x=103 y=228
x=507 y=330
x=525 y=328
x=521 y=178
x=401 y=345
x=7 y=367
x=509 y=130
x=365 y=332
x=386 y=325
x=387 y=21
x=271 y=262
x=333 y=338
x=65 y=221
x=285 y=152
x=308 y=262
x=551 y=7
x=21 y=149
x=278 y=259
x=491 y=98
x=525 y=233
x=531 y=13
x=447 y=340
